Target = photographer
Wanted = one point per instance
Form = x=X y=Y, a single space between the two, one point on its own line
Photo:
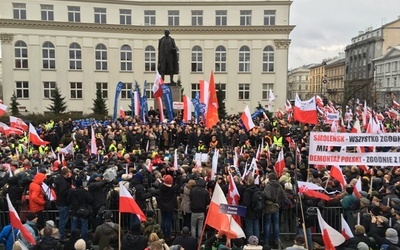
x=62 y=185
x=96 y=189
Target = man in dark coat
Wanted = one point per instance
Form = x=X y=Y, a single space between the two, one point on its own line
x=167 y=56
x=186 y=240
x=62 y=187
x=199 y=200
x=252 y=218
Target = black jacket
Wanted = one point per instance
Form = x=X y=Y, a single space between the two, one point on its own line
x=133 y=241
x=186 y=241
x=247 y=202
x=96 y=189
x=199 y=197
x=62 y=188
x=141 y=195
x=49 y=243
x=166 y=198
x=274 y=192
x=78 y=198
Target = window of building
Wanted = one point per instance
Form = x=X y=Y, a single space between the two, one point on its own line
x=103 y=86
x=125 y=17
x=19 y=10
x=75 y=90
x=21 y=55
x=173 y=17
x=299 y=87
x=150 y=59
x=149 y=90
x=244 y=59
x=101 y=57
x=244 y=91
x=245 y=17
x=394 y=67
x=221 y=17
x=100 y=15
x=387 y=67
x=195 y=87
x=22 y=89
x=197 y=59
x=220 y=59
x=49 y=56
x=75 y=56
x=221 y=87
x=126 y=58
x=49 y=89
x=394 y=81
x=265 y=90
x=197 y=17
x=47 y=12
x=149 y=17
x=74 y=14
x=126 y=91
x=268 y=59
x=269 y=17
x=388 y=82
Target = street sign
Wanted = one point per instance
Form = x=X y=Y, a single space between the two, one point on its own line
x=232 y=210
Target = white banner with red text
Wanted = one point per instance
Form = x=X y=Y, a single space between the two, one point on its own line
x=355 y=139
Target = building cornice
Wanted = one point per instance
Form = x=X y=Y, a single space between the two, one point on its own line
x=135 y=29
x=282 y=43
x=188 y=3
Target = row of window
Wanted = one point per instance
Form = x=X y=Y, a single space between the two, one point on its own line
x=76 y=90
x=125 y=15
x=101 y=58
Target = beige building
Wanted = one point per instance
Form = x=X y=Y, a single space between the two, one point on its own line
x=334 y=71
x=317 y=80
x=298 y=82
x=83 y=45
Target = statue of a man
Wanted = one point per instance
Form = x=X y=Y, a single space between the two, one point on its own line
x=167 y=57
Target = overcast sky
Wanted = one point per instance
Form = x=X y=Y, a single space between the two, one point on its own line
x=325 y=27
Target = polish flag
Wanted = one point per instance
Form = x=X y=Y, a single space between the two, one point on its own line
x=233 y=197
x=246 y=119
x=50 y=193
x=34 y=137
x=337 y=174
x=16 y=122
x=305 y=111
x=93 y=145
x=330 y=236
x=160 y=108
x=121 y=112
x=3 y=109
x=288 y=107
x=396 y=105
x=346 y=232
x=204 y=93
x=4 y=128
x=271 y=96
x=320 y=102
x=357 y=188
x=128 y=205
x=280 y=164
x=265 y=116
x=219 y=221
x=16 y=223
x=149 y=165
x=157 y=90
x=372 y=126
x=356 y=127
x=214 y=163
x=312 y=190
x=187 y=109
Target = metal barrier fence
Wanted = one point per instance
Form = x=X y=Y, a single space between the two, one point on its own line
x=288 y=220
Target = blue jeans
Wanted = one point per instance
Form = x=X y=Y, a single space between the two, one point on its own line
x=271 y=220
x=63 y=214
x=252 y=227
x=166 y=223
x=83 y=223
x=309 y=237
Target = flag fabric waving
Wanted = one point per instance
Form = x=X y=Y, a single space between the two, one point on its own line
x=311 y=190
x=157 y=90
x=305 y=111
x=346 y=232
x=330 y=236
x=121 y=112
x=16 y=223
x=246 y=119
x=219 y=221
x=16 y=122
x=93 y=145
x=212 y=112
x=187 y=109
x=34 y=137
x=280 y=164
x=233 y=197
x=337 y=174
x=3 y=109
x=128 y=205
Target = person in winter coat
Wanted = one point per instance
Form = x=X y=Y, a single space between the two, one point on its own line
x=75 y=236
x=48 y=242
x=167 y=202
x=14 y=190
x=62 y=187
x=96 y=188
x=7 y=238
x=30 y=225
x=134 y=239
x=106 y=235
x=186 y=240
x=185 y=203
x=359 y=236
x=252 y=218
x=199 y=201
x=37 y=200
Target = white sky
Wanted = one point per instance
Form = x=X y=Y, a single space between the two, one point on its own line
x=325 y=27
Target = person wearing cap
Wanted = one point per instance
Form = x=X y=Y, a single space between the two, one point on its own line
x=106 y=235
x=299 y=242
x=30 y=225
x=134 y=239
x=55 y=233
x=252 y=244
x=359 y=236
x=186 y=240
x=62 y=187
x=391 y=238
x=390 y=194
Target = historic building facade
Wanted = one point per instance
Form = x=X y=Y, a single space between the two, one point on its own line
x=298 y=82
x=334 y=71
x=80 y=46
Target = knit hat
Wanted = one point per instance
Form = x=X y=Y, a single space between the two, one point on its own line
x=396 y=201
x=168 y=180
x=299 y=240
x=362 y=246
x=359 y=229
x=78 y=182
x=365 y=201
x=107 y=215
x=391 y=235
x=31 y=216
x=50 y=223
x=363 y=194
x=253 y=240
x=80 y=245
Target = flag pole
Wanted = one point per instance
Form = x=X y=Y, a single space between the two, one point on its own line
x=119 y=229
x=202 y=233
x=12 y=232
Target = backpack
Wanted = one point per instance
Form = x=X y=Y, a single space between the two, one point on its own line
x=257 y=201
x=288 y=203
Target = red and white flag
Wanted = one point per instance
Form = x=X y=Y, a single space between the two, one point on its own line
x=50 y=193
x=160 y=108
x=346 y=232
x=280 y=164
x=305 y=111
x=246 y=119
x=16 y=122
x=330 y=236
x=16 y=223
x=358 y=188
x=136 y=103
x=128 y=205
x=3 y=109
x=233 y=197
x=271 y=96
x=265 y=116
x=187 y=109
x=219 y=221
x=157 y=90
x=288 y=107
x=34 y=138
x=204 y=93
x=121 y=112
x=312 y=190
x=337 y=174
x=396 y=105
x=93 y=145
x=4 y=128
x=319 y=101
x=149 y=165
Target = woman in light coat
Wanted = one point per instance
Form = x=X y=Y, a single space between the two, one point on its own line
x=185 y=203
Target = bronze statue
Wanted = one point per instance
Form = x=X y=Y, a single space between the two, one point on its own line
x=167 y=57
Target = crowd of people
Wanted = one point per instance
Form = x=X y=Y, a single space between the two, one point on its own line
x=141 y=156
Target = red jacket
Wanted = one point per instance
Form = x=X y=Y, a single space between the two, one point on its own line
x=37 y=200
